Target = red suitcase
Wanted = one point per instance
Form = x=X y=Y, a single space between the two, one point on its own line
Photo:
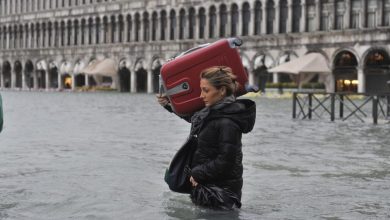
x=180 y=77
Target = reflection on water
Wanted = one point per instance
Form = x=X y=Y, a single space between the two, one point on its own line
x=103 y=155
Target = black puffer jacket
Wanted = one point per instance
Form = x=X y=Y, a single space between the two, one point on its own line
x=218 y=158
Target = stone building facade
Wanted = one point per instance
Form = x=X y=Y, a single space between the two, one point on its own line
x=45 y=44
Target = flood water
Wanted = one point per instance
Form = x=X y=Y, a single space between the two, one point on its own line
x=103 y=156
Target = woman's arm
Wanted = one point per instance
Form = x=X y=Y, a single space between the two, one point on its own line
x=164 y=102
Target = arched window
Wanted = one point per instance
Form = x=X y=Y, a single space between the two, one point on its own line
x=202 y=22
x=76 y=32
x=324 y=20
x=105 y=30
x=137 y=26
x=296 y=16
x=356 y=6
x=154 y=26
x=163 y=25
x=270 y=7
x=121 y=28
x=69 y=34
x=283 y=16
x=246 y=16
x=191 y=23
x=345 y=72
x=258 y=17
x=98 y=30
x=83 y=28
x=182 y=23
x=310 y=15
x=50 y=32
x=146 y=30
x=172 y=22
x=90 y=29
x=129 y=22
x=113 y=29
x=212 y=21
x=340 y=11
x=223 y=20
x=234 y=20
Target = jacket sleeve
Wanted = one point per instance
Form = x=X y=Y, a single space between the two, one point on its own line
x=229 y=145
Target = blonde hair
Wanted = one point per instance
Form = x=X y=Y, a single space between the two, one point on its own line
x=221 y=76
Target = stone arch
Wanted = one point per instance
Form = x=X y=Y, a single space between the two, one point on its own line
x=212 y=21
x=124 y=75
x=140 y=76
x=376 y=67
x=154 y=25
x=345 y=65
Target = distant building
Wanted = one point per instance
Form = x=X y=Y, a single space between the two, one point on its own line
x=48 y=44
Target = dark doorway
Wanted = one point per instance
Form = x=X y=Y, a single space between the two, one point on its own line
x=141 y=80
x=124 y=79
x=18 y=74
x=377 y=72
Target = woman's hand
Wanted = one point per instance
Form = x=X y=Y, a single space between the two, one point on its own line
x=194 y=183
x=162 y=100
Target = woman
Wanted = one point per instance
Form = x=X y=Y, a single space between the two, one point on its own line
x=217 y=162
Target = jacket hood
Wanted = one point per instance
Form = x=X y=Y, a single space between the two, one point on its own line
x=242 y=112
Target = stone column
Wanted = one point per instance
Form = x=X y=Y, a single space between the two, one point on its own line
x=177 y=28
x=109 y=31
x=35 y=79
x=93 y=32
x=8 y=39
x=47 y=43
x=133 y=79
x=125 y=29
x=24 y=84
x=59 y=81
x=228 y=23
x=275 y=77
x=217 y=23
x=47 y=79
x=207 y=24
x=1 y=79
x=13 y=76
x=362 y=80
x=251 y=22
x=72 y=34
x=102 y=32
x=158 y=27
x=303 y=18
x=86 y=80
x=240 y=21
x=66 y=34
x=86 y=33
x=168 y=32
x=150 y=80
x=73 y=81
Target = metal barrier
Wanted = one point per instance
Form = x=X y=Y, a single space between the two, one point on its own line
x=355 y=105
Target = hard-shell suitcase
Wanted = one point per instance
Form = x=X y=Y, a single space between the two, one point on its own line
x=180 y=77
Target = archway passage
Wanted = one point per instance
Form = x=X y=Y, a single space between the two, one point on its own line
x=377 y=72
x=28 y=74
x=18 y=74
x=262 y=76
x=124 y=79
x=53 y=79
x=7 y=74
x=141 y=80
x=345 y=72
x=79 y=80
x=41 y=76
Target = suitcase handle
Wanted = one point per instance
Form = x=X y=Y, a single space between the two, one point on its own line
x=235 y=42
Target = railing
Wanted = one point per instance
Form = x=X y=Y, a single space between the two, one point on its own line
x=307 y=105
